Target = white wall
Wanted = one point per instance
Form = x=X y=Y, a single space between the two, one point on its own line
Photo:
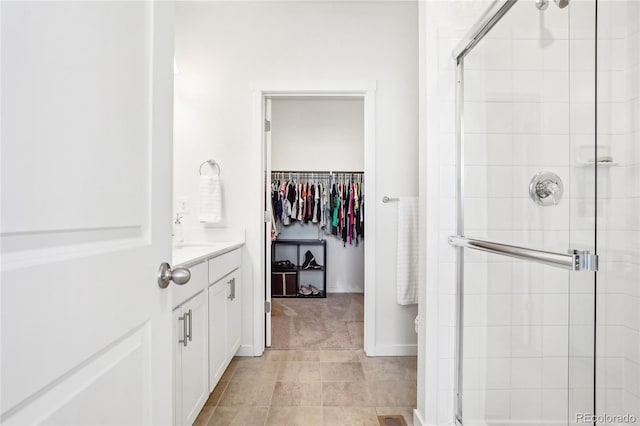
x=317 y=134
x=221 y=48
x=322 y=134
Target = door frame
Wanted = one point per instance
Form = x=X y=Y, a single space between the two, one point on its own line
x=364 y=89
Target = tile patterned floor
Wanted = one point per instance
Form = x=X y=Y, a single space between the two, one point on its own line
x=315 y=374
x=307 y=388
x=335 y=322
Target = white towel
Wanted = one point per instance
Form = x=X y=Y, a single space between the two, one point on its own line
x=407 y=255
x=210 y=208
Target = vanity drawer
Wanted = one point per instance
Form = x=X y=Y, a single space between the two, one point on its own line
x=221 y=265
x=198 y=282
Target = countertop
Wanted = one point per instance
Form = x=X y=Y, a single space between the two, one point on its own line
x=189 y=254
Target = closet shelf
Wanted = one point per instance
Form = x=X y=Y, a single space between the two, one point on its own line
x=297 y=269
x=286 y=282
x=312 y=296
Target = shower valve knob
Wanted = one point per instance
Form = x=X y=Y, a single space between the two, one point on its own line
x=546 y=188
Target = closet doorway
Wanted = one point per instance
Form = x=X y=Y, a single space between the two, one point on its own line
x=318 y=145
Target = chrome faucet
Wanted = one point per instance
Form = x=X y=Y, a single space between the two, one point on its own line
x=178 y=221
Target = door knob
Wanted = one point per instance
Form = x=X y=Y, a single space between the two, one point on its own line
x=179 y=276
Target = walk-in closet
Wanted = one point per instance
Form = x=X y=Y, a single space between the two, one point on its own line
x=315 y=248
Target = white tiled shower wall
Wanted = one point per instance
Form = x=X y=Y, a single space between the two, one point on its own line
x=618 y=332
x=542 y=94
x=522 y=90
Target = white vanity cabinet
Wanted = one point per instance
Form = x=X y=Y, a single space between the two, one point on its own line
x=206 y=324
x=217 y=332
x=234 y=314
x=191 y=358
x=225 y=313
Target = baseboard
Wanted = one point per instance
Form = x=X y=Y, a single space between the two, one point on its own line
x=521 y=423
x=246 y=350
x=394 y=350
x=418 y=421
x=358 y=290
x=517 y=422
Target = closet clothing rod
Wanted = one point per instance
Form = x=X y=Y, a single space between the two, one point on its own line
x=319 y=171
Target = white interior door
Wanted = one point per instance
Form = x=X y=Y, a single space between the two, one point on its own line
x=86 y=183
x=267 y=265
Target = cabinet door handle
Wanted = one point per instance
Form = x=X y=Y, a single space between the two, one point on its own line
x=190 y=325
x=233 y=289
x=184 y=329
x=230 y=284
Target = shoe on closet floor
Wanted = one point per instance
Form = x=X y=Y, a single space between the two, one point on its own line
x=314 y=290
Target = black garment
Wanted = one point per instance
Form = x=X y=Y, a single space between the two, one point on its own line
x=292 y=198
x=345 y=214
x=276 y=206
x=362 y=221
x=319 y=213
x=308 y=214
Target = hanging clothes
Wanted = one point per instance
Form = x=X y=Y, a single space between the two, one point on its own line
x=309 y=203
x=333 y=203
x=316 y=202
x=344 y=212
x=324 y=209
x=336 y=207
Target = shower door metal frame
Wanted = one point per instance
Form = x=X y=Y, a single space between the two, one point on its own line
x=491 y=17
x=459 y=231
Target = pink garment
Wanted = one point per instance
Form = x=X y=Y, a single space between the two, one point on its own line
x=351 y=219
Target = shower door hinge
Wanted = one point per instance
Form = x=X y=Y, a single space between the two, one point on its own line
x=267 y=125
x=267 y=306
x=584 y=260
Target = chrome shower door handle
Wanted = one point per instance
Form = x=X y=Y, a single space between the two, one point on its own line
x=179 y=276
x=574 y=260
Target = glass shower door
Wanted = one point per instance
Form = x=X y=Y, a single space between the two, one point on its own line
x=526 y=224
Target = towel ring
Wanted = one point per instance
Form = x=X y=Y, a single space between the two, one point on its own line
x=212 y=163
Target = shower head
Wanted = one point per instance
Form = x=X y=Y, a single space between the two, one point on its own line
x=542 y=4
x=562 y=3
